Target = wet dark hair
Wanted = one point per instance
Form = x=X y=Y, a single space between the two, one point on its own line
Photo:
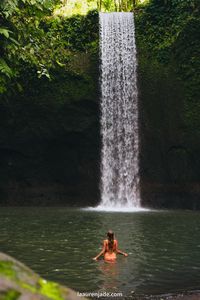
x=110 y=235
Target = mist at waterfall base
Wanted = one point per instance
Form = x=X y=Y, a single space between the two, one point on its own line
x=119 y=114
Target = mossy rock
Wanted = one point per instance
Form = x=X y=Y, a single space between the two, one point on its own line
x=17 y=281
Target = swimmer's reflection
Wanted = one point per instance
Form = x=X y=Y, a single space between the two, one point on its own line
x=110 y=272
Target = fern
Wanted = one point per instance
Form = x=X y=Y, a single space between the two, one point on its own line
x=5 y=69
x=5 y=32
x=8 y=7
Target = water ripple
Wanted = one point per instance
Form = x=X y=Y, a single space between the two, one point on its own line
x=159 y=260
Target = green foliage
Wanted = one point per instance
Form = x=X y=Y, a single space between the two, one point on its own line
x=35 y=39
x=6 y=269
x=186 y=54
x=44 y=287
x=10 y=7
x=5 y=32
x=82 y=7
x=10 y=295
x=4 y=68
x=38 y=43
x=37 y=35
x=168 y=32
x=50 y=289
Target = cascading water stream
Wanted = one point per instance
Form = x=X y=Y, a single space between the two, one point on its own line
x=119 y=113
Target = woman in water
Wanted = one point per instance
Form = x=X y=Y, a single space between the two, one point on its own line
x=110 y=248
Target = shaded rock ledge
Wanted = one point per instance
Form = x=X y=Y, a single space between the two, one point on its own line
x=18 y=282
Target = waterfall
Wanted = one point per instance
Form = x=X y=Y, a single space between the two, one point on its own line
x=119 y=112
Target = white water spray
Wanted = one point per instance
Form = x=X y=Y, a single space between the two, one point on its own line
x=119 y=113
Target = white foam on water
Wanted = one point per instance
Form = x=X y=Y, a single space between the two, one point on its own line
x=126 y=209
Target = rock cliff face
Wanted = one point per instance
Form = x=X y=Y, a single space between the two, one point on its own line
x=169 y=95
x=169 y=161
x=49 y=137
x=49 y=151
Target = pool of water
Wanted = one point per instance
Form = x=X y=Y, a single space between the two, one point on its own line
x=59 y=243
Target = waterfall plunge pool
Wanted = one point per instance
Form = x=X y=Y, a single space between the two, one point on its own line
x=59 y=243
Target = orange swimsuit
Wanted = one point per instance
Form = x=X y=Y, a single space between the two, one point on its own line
x=110 y=254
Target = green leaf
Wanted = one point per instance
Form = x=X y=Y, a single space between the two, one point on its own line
x=60 y=64
x=5 y=69
x=5 y=32
x=14 y=41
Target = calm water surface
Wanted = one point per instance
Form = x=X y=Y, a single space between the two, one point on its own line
x=58 y=243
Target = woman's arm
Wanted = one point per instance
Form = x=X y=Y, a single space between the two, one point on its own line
x=102 y=251
x=119 y=251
